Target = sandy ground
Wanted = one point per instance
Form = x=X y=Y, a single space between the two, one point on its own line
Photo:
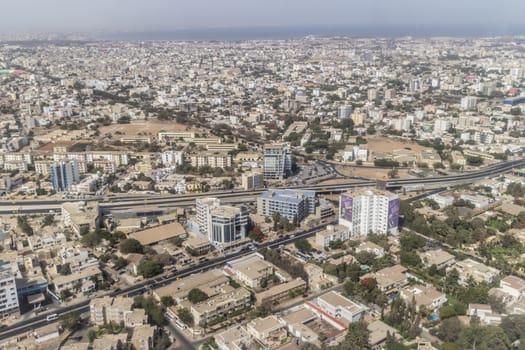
x=148 y=127
x=371 y=173
x=384 y=144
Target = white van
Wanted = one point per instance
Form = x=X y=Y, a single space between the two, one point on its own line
x=52 y=317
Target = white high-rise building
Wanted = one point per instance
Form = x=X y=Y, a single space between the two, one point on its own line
x=227 y=224
x=441 y=125
x=203 y=208
x=469 y=103
x=367 y=211
x=172 y=157
x=344 y=112
x=221 y=223
x=277 y=161
x=8 y=294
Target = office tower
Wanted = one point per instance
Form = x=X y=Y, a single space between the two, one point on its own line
x=8 y=295
x=468 y=103
x=277 y=161
x=227 y=224
x=221 y=223
x=64 y=174
x=293 y=205
x=369 y=211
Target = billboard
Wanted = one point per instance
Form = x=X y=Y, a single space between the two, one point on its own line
x=393 y=213
x=346 y=207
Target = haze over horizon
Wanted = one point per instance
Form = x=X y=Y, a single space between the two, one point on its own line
x=36 y=16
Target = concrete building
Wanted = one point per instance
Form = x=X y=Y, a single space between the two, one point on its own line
x=469 y=103
x=471 y=269
x=64 y=174
x=389 y=279
x=221 y=305
x=484 y=137
x=227 y=224
x=426 y=296
x=365 y=211
x=440 y=258
x=81 y=216
x=331 y=233
x=339 y=307
x=234 y=338
x=268 y=331
x=291 y=204
x=281 y=291
x=221 y=223
x=8 y=296
x=252 y=180
x=277 y=161
x=250 y=270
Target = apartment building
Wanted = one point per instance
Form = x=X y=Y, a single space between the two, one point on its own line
x=83 y=278
x=81 y=216
x=118 y=310
x=426 y=296
x=366 y=211
x=213 y=160
x=250 y=270
x=389 y=279
x=331 y=233
x=220 y=223
x=291 y=204
x=8 y=296
x=252 y=180
x=281 y=291
x=220 y=305
x=64 y=174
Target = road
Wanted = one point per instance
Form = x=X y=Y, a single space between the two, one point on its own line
x=124 y=202
x=153 y=283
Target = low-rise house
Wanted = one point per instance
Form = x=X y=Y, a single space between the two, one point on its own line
x=484 y=313
x=270 y=332
x=378 y=334
x=440 y=258
x=469 y=269
x=370 y=247
x=513 y=287
x=142 y=337
x=426 y=296
x=338 y=307
x=234 y=338
x=110 y=342
x=389 y=279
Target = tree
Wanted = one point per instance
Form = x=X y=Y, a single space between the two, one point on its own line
x=92 y=335
x=302 y=245
x=167 y=300
x=185 y=317
x=150 y=268
x=24 y=226
x=449 y=329
x=131 y=245
x=71 y=320
x=356 y=337
x=64 y=269
x=91 y=239
x=196 y=296
x=48 y=220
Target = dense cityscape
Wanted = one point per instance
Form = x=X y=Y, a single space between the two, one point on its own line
x=306 y=193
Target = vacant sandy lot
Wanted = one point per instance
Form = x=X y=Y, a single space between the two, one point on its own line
x=146 y=127
x=383 y=144
x=371 y=173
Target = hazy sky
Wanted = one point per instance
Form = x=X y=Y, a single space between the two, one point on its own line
x=151 y=15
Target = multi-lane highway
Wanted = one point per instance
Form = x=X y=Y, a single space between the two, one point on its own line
x=124 y=202
x=147 y=285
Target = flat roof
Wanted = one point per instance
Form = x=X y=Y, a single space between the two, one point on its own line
x=158 y=233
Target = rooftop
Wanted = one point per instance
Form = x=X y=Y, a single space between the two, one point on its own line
x=158 y=233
